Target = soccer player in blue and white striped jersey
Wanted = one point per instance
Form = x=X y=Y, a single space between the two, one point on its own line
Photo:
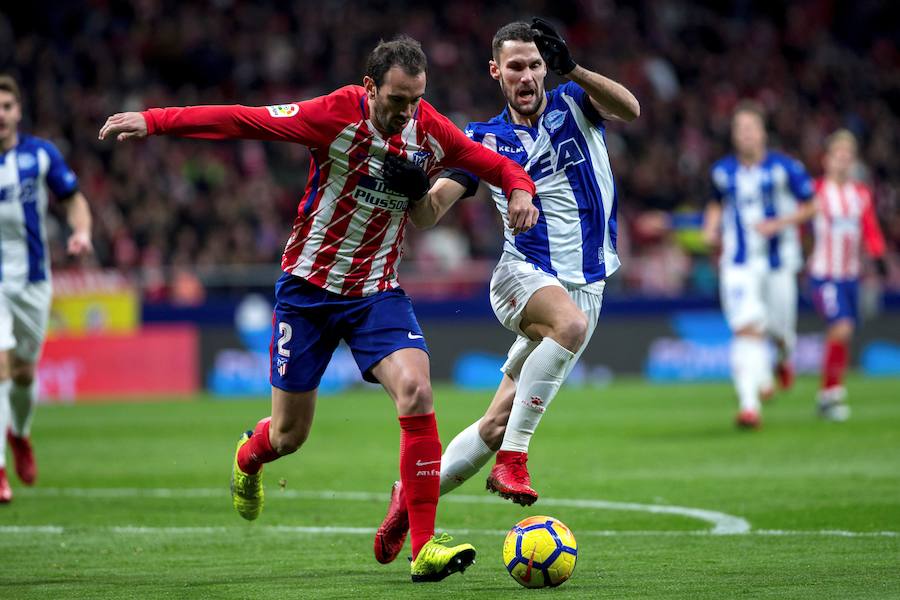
x=548 y=285
x=30 y=168
x=759 y=196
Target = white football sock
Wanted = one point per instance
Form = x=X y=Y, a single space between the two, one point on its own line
x=542 y=375
x=22 y=400
x=4 y=418
x=749 y=363
x=463 y=457
x=765 y=367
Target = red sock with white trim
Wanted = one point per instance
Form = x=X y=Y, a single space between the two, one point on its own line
x=420 y=472
x=834 y=363
x=258 y=450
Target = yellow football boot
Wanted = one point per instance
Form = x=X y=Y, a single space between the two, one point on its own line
x=436 y=560
x=246 y=489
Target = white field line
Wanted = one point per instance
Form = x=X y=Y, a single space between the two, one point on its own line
x=722 y=524
x=367 y=531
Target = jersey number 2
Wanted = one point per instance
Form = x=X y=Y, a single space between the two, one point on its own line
x=284 y=336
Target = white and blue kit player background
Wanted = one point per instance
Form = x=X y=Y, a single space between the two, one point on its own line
x=548 y=285
x=30 y=168
x=758 y=198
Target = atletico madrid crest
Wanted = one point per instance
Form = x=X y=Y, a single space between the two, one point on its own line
x=281 y=364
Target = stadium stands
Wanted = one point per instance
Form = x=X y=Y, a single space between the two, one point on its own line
x=178 y=208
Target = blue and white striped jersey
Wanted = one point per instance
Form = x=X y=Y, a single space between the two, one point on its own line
x=566 y=156
x=750 y=194
x=27 y=171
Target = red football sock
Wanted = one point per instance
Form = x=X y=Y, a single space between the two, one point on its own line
x=834 y=363
x=258 y=450
x=420 y=472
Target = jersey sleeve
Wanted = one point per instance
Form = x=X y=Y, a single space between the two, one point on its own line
x=873 y=239
x=60 y=178
x=577 y=93
x=799 y=181
x=309 y=123
x=465 y=178
x=462 y=153
x=718 y=181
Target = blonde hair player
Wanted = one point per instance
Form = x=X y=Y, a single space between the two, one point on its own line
x=844 y=223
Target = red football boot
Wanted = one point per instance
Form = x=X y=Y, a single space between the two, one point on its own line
x=23 y=454
x=5 y=490
x=784 y=370
x=748 y=419
x=390 y=537
x=510 y=478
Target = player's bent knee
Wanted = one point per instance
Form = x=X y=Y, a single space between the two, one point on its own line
x=570 y=333
x=414 y=395
x=841 y=331
x=749 y=330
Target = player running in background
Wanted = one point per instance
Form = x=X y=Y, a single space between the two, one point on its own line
x=758 y=198
x=548 y=284
x=29 y=166
x=340 y=265
x=845 y=220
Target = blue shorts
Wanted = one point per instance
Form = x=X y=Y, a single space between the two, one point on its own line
x=309 y=323
x=835 y=300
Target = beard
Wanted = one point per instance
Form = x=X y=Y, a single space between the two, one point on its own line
x=391 y=125
x=525 y=106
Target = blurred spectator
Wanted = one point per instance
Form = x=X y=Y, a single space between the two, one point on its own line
x=816 y=65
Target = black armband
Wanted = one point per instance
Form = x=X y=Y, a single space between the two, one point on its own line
x=463 y=178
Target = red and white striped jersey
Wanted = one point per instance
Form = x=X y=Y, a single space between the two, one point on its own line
x=844 y=221
x=348 y=233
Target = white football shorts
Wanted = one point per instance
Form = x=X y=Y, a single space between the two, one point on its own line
x=761 y=298
x=513 y=283
x=23 y=319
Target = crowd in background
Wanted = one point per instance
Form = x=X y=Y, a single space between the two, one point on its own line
x=180 y=208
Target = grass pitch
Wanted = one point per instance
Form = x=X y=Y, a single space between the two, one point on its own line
x=132 y=500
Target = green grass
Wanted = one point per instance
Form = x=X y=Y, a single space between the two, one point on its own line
x=630 y=442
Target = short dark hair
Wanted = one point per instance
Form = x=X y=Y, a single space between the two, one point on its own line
x=752 y=107
x=8 y=84
x=517 y=31
x=403 y=51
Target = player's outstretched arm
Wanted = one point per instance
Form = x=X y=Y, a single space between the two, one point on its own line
x=283 y=122
x=611 y=99
x=78 y=214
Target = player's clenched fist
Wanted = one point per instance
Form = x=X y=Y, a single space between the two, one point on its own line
x=124 y=126
x=79 y=244
x=521 y=214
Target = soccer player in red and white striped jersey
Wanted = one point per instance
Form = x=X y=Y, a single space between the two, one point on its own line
x=340 y=263
x=845 y=221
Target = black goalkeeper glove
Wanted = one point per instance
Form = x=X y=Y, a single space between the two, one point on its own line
x=552 y=47
x=405 y=177
x=881 y=267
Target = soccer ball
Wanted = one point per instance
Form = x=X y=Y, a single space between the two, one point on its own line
x=540 y=552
